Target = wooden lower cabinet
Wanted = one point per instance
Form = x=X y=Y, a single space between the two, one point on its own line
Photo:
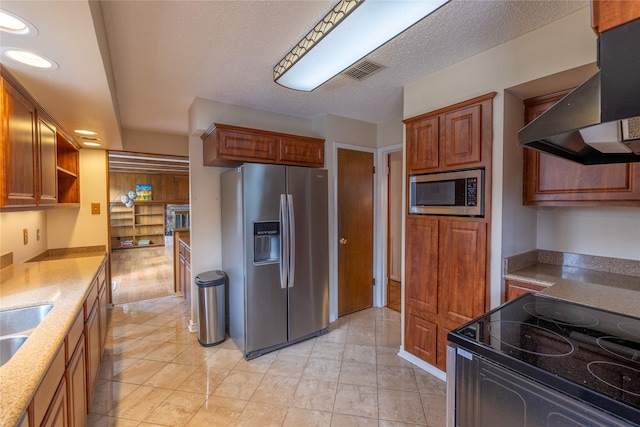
x=48 y=393
x=513 y=289
x=420 y=338
x=58 y=414
x=445 y=273
x=184 y=271
x=93 y=351
x=76 y=377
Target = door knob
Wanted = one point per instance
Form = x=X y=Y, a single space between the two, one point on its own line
x=343 y=241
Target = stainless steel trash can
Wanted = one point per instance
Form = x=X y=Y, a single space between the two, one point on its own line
x=211 y=307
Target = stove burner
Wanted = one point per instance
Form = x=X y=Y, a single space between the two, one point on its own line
x=618 y=376
x=629 y=350
x=632 y=328
x=561 y=314
x=530 y=338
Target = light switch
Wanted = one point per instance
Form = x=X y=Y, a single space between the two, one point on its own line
x=95 y=208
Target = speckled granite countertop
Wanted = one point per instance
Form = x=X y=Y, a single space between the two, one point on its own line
x=600 y=286
x=63 y=282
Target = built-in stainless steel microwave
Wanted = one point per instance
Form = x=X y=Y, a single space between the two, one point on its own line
x=458 y=193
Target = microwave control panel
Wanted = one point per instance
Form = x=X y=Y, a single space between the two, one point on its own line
x=472 y=192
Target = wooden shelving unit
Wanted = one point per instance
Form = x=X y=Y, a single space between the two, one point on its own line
x=67 y=166
x=148 y=224
x=131 y=227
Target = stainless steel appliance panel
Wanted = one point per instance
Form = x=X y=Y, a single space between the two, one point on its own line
x=309 y=282
x=266 y=300
x=233 y=252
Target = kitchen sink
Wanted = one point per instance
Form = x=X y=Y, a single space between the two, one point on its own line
x=9 y=346
x=22 y=319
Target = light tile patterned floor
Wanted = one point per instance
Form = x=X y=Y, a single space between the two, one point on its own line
x=154 y=373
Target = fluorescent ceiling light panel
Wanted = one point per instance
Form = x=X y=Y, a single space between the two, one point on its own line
x=349 y=32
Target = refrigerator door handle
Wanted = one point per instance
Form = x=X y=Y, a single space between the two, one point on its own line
x=292 y=241
x=284 y=242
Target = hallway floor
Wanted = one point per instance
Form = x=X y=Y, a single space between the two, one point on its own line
x=154 y=373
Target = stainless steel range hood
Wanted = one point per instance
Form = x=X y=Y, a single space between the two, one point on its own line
x=599 y=121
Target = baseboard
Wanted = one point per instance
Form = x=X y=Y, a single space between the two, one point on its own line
x=441 y=375
x=193 y=327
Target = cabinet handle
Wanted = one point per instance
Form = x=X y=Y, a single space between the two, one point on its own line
x=343 y=241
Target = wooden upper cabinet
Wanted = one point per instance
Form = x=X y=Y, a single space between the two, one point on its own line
x=458 y=136
x=40 y=166
x=462 y=136
x=301 y=151
x=422 y=144
x=47 y=161
x=608 y=14
x=230 y=146
x=553 y=181
x=19 y=149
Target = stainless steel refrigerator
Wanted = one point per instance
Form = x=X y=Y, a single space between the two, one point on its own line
x=275 y=253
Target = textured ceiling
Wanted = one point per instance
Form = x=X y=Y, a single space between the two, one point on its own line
x=165 y=53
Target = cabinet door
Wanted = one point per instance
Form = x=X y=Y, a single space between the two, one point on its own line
x=421 y=272
x=514 y=289
x=245 y=145
x=58 y=415
x=462 y=137
x=420 y=338
x=19 y=151
x=47 y=153
x=462 y=270
x=77 y=386
x=102 y=316
x=187 y=276
x=422 y=144
x=301 y=152
x=93 y=352
x=552 y=181
x=607 y=14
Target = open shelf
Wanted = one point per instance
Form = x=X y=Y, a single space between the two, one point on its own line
x=140 y=223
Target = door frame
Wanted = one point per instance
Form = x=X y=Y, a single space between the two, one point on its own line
x=381 y=225
x=332 y=166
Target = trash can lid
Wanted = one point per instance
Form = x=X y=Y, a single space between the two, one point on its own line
x=210 y=278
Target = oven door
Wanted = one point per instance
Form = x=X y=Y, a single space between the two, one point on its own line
x=489 y=395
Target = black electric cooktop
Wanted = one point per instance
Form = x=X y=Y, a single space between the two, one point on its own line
x=590 y=354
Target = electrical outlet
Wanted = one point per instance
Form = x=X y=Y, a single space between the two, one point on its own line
x=25 y=235
x=95 y=208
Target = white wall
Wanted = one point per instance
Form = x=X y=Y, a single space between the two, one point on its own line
x=608 y=232
x=559 y=46
x=11 y=226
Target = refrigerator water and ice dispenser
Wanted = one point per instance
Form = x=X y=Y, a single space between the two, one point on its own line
x=266 y=242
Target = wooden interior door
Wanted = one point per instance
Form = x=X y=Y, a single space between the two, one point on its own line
x=355 y=231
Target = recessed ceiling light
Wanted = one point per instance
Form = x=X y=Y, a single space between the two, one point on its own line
x=91 y=144
x=13 y=24
x=28 y=58
x=85 y=132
